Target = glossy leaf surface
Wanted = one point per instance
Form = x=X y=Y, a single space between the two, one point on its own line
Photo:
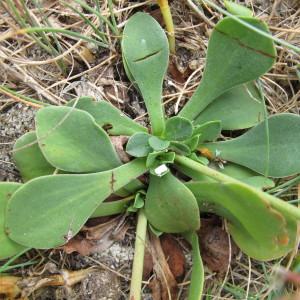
x=8 y=247
x=238 y=108
x=71 y=141
x=235 y=55
x=170 y=206
x=281 y=158
x=58 y=206
x=258 y=229
x=109 y=117
x=146 y=55
x=29 y=160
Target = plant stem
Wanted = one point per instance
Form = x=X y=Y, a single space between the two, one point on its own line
x=167 y=16
x=138 y=260
x=275 y=202
x=112 y=208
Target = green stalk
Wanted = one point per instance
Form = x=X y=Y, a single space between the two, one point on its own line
x=112 y=16
x=7 y=91
x=112 y=208
x=138 y=260
x=62 y=31
x=197 y=277
x=167 y=16
x=275 y=202
x=86 y=20
x=94 y=11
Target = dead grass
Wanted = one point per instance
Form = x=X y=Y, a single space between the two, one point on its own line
x=90 y=70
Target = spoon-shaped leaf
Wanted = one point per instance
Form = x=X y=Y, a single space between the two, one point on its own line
x=109 y=117
x=8 y=247
x=170 y=206
x=238 y=108
x=29 y=159
x=145 y=53
x=71 y=141
x=235 y=55
x=258 y=229
x=58 y=206
x=282 y=156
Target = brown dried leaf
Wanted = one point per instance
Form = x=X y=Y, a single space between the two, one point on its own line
x=119 y=142
x=215 y=247
x=148 y=265
x=12 y=286
x=173 y=254
x=168 y=284
x=97 y=238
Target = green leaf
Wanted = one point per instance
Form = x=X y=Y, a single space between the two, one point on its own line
x=138 y=145
x=58 y=206
x=139 y=202
x=193 y=142
x=235 y=55
x=261 y=231
x=155 y=159
x=8 y=247
x=259 y=182
x=108 y=117
x=237 y=9
x=29 y=159
x=281 y=158
x=208 y=131
x=246 y=175
x=111 y=208
x=158 y=144
x=146 y=55
x=238 y=108
x=197 y=277
x=178 y=129
x=71 y=141
x=180 y=148
x=170 y=206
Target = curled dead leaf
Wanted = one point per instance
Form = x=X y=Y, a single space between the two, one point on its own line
x=97 y=238
x=14 y=287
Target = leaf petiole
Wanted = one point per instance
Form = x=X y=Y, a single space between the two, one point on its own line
x=275 y=202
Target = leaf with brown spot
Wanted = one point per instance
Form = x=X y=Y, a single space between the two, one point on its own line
x=260 y=230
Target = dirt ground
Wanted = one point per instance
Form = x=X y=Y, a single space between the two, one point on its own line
x=93 y=71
